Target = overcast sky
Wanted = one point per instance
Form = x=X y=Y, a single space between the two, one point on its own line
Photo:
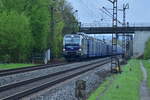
x=89 y=10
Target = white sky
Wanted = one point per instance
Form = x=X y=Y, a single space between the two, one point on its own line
x=88 y=10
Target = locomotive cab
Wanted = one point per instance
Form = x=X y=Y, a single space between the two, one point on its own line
x=72 y=46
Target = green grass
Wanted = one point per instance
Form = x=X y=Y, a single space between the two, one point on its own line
x=124 y=86
x=100 y=90
x=12 y=66
x=147 y=66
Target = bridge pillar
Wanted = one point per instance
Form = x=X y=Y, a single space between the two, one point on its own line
x=129 y=46
x=139 y=41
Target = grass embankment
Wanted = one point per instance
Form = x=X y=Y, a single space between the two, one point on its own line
x=12 y=66
x=123 y=86
x=147 y=66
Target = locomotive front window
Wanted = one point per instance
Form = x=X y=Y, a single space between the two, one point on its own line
x=72 y=40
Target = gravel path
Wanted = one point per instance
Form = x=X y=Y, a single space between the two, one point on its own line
x=144 y=90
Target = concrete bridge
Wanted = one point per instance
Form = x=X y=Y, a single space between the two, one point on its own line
x=140 y=33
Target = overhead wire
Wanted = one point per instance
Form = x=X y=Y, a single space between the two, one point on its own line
x=90 y=10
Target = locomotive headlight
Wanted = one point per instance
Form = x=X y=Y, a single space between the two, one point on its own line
x=80 y=49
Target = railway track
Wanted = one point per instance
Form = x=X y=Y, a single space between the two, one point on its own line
x=27 y=69
x=27 y=87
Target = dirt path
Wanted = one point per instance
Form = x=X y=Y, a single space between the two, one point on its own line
x=144 y=91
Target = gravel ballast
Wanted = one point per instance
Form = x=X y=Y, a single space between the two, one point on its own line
x=38 y=73
x=66 y=90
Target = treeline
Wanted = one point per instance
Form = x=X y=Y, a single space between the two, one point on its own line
x=147 y=50
x=32 y=26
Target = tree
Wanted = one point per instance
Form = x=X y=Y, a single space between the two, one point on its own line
x=43 y=27
x=15 y=36
x=39 y=14
x=70 y=22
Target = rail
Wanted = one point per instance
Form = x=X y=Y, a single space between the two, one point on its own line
x=28 y=87
x=27 y=69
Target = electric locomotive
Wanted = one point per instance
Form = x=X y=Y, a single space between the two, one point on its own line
x=80 y=46
x=74 y=46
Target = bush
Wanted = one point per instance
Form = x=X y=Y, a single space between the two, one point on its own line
x=147 y=50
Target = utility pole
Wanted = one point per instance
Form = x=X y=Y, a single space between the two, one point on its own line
x=52 y=21
x=51 y=35
x=115 y=64
x=74 y=23
x=128 y=45
x=125 y=7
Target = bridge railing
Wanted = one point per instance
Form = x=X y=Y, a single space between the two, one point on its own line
x=110 y=25
x=139 y=25
x=96 y=25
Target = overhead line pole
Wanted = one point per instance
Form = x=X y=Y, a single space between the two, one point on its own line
x=125 y=7
x=115 y=65
x=124 y=39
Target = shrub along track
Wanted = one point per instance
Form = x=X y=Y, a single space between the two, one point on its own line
x=28 y=87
